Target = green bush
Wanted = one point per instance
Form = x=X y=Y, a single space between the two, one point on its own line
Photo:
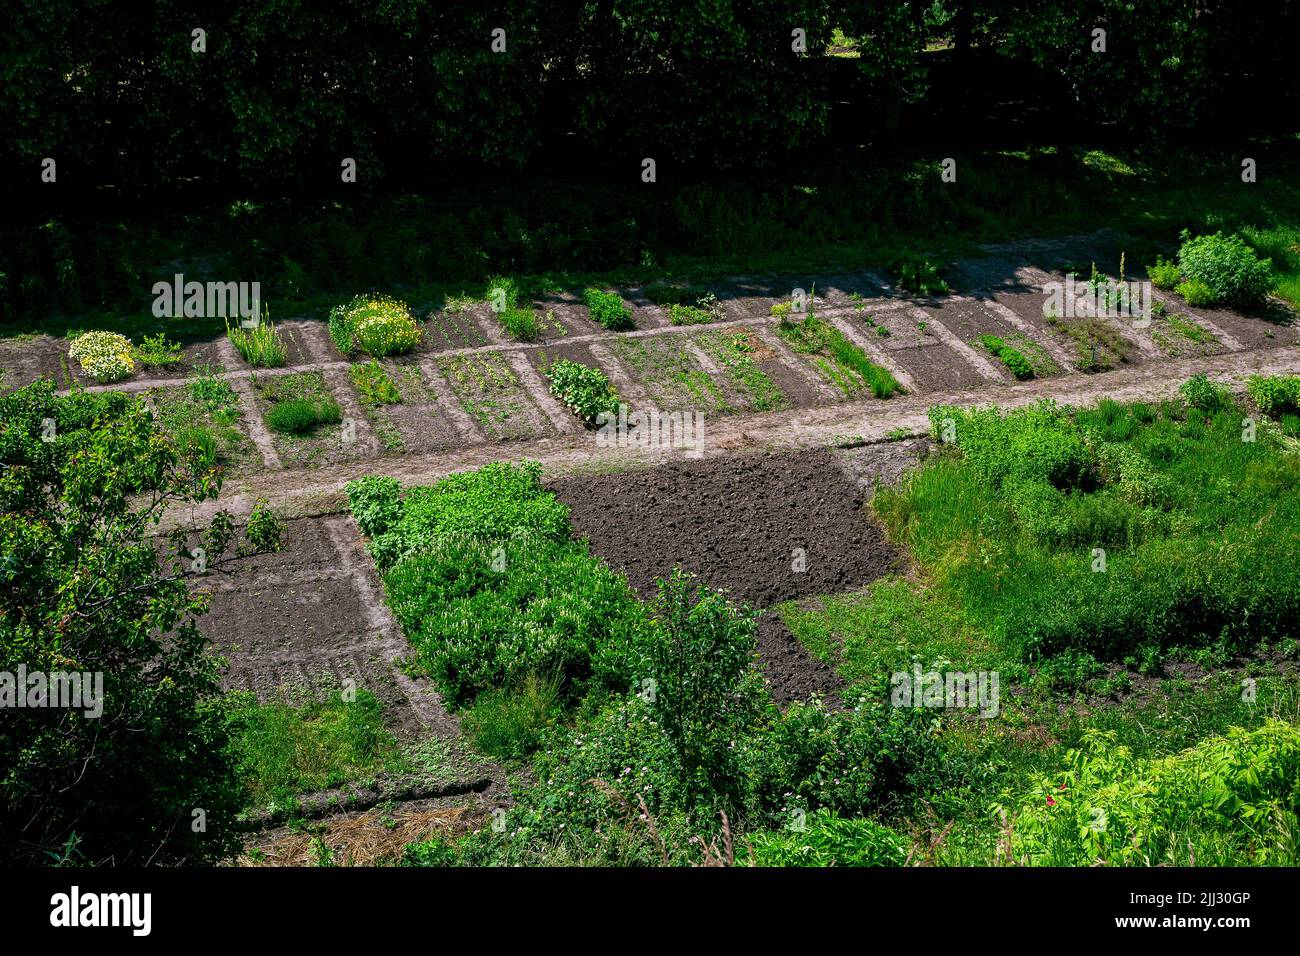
x=697 y=655
x=1227 y=267
x=155 y=351
x=608 y=310
x=497 y=502
x=522 y=324
x=1035 y=443
x=1197 y=293
x=376 y=503
x=484 y=613
x=1203 y=395
x=1164 y=274
x=298 y=416
x=86 y=586
x=1276 y=395
x=585 y=390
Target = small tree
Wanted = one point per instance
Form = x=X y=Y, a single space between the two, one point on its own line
x=697 y=651
x=84 y=588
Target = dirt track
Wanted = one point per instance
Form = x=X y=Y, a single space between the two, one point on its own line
x=320 y=490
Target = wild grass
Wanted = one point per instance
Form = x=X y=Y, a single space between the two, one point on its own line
x=261 y=346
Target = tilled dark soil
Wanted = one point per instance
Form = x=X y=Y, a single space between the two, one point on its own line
x=737 y=523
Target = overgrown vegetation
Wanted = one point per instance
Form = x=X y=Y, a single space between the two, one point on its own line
x=87 y=590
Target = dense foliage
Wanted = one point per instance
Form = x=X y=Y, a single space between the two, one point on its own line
x=1092 y=530
x=585 y=390
x=85 y=589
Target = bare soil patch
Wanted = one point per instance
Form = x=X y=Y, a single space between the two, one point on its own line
x=937 y=368
x=742 y=524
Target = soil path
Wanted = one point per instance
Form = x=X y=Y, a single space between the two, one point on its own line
x=308 y=491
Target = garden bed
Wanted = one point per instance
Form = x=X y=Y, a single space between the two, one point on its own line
x=736 y=523
x=490 y=391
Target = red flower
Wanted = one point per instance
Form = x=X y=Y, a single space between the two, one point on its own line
x=1051 y=802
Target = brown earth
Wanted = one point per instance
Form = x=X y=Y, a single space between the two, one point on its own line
x=742 y=524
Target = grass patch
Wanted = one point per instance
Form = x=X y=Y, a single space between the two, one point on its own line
x=261 y=346
x=815 y=336
x=287 y=750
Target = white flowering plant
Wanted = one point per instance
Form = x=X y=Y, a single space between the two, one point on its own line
x=104 y=356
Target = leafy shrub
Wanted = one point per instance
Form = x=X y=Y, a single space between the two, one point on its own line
x=872 y=759
x=261 y=346
x=608 y=310
x=828 y=840
x=1276 y=395
x=341 y=333
x=522 y=324
x=918 y=275
x=1227 y=267
x=1010 y=357
x=378 y=325
x=155 y=351
x=1197 y=293
x=1202 y=394
x=298 y=416
x=376 y=503
x=484 y=613
x=587 y=391
x=1108 y=805
x=1164 y=274
x=496 y=502
x=85 y=586
x=104 y=356
x=697 y=654
x=1035 y=443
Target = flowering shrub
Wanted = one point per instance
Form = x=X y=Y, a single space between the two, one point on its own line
x=104 y=356
x=376 y=324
